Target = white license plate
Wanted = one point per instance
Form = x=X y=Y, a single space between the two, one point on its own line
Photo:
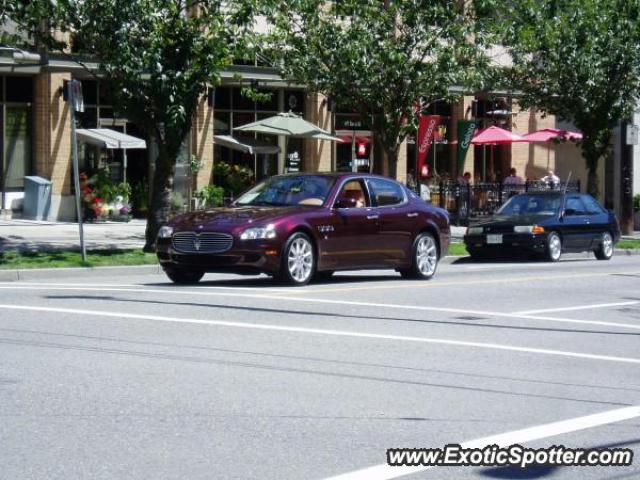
x=493 y=239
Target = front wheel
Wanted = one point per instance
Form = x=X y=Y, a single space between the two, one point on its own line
x=605 y=250
x=183 y=277
x=554 y=247
x=424 y=260
x=298 y=260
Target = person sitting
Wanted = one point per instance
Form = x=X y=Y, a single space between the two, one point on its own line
x=551 y=179
x=513 y=178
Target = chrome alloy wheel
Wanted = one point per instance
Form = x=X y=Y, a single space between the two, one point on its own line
x=555 y=247
x=426 y=255
x=607 y=245
x=300 y=259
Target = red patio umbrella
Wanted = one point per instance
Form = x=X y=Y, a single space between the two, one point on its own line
x=494 y=136
x=549 y=134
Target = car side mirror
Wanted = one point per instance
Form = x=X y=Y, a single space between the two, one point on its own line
x=345 y=202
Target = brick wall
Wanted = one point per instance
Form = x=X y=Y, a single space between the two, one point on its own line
x=52 y=132
x=317 y=153
x=202 y=143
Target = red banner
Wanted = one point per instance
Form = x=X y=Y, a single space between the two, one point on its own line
x=428 y=126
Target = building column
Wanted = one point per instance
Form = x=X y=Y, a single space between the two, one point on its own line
x=52 y=142
x=202 y=143
x=317 y=153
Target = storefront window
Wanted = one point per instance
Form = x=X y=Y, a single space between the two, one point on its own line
x=15 y=131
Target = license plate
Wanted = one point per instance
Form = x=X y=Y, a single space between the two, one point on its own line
x=493 y=239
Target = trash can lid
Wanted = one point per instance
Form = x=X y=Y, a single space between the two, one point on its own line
x=39 y=180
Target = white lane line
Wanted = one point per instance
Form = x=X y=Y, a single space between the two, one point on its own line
x=386 y=472
x=579 y=307
x=89 y=314
x=225 y=294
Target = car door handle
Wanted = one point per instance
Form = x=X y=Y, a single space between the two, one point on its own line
x=373 y=217
x=415 y=214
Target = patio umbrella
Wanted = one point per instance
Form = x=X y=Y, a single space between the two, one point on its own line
x=288 y=125
x=495 y=136
x=551 y=134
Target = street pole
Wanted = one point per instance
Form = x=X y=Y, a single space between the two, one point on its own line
x=76 y=103
x=629 y=138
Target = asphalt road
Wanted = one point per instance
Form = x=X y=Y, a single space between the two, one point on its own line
x=133 y=377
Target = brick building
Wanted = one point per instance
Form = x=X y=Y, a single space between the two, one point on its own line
x=35 y=134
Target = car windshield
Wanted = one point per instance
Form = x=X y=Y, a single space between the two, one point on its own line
x=310 y=190
x=532 y=205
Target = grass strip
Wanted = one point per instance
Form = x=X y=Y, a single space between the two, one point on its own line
x=62 y=259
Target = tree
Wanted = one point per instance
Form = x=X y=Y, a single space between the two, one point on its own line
x=578 y=59
x=378 y=58
x=158 y=56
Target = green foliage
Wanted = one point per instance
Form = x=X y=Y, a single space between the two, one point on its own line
x=636 y=203
x=234 y=179
x=578 y=59
x=212 y=195
x=177 y=202
x=195 y=165
x=159 y=56
x=378 y=58
x=96 y=258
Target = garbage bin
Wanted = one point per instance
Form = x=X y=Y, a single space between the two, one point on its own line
x=37 y=198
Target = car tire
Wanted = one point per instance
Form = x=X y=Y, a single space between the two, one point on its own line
x=605 y=250
x=298 y=261
x=182 y=276
x=553 y=251
x=424 y=258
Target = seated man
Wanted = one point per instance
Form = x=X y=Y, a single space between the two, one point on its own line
x=354 y=190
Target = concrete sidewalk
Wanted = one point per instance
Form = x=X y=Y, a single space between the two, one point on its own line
x=28 y=235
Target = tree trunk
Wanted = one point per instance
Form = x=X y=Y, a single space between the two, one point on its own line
x=592 y=182
x=160 y=204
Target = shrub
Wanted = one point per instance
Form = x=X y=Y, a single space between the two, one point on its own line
x=212 y=195
x=636 y=203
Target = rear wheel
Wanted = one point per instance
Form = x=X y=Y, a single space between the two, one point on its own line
x=424 y=261
x=605 y=250
x=554 y=247
x=182 y=276
x=298 y=260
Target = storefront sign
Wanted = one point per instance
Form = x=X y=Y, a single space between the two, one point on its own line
x=428 y=125
x=293 y=162
x=465 y=134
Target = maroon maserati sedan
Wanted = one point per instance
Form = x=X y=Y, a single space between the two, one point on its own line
x=298 y=226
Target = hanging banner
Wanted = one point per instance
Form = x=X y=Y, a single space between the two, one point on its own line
x=426 y=129
x=465 y=134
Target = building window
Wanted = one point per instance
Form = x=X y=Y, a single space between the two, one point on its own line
x=15 y=131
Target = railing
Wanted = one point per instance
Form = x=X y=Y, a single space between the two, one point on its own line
x=469 y=202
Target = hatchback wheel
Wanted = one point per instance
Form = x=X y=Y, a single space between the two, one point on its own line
x=424 y=260
x=183 y=277
x=298 y=260
x=554 y=247
x=605 y=250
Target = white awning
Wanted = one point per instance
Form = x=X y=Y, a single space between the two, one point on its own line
x=111 y=139
x=246 y=145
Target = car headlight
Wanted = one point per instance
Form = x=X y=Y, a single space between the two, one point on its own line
x=474 y=230
x=165 y=232
x=259 y=233
x=528 y=229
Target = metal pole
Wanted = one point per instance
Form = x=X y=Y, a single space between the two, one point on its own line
x=76 y=173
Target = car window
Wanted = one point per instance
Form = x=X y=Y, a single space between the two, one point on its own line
x=592 y=205
x=532 y=204
x=287 y=190
x=575 y=203
x=355 y=189
x=385 y=192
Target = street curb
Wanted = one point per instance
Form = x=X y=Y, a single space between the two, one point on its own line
x=81 y=272
x=626 y=251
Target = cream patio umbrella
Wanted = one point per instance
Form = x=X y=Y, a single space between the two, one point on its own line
x=288 y=125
